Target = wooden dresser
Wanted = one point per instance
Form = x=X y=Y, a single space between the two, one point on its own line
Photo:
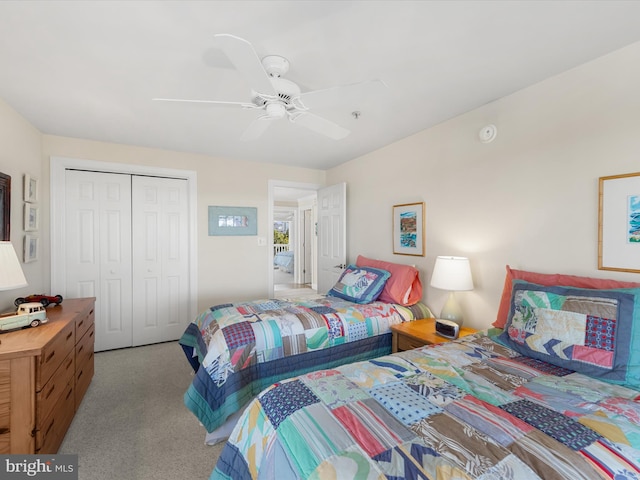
x=44 y=374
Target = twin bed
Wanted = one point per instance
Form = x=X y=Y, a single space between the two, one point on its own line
x=552 y=392
x=284 y=261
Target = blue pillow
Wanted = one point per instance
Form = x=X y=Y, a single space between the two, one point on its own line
x=594 y=332
x=360 y=284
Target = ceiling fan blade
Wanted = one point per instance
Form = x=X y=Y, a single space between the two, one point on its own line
x=214 y=102
x=319 y=125
x=356 y=92
x=247 y=62
x=257 y=128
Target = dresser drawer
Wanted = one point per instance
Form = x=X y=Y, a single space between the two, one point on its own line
x=84 y=322
x=84 y=347
x=47 y=397
x=84 y=364
x=52 y=429
x=83 y=380
x=408 y=343
x=5 y=407
x=54 y=353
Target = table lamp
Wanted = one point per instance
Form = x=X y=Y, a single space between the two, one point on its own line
x=11 y=275
x=453 y=274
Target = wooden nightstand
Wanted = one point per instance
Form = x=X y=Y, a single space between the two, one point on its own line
x=410 y=335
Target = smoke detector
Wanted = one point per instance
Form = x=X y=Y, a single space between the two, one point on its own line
x=487 y=134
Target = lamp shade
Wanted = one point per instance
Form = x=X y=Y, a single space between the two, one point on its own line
x=452 y=273
x=11 y=275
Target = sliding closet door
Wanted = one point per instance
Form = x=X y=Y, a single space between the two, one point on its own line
x=160 y=259
x=98 y=250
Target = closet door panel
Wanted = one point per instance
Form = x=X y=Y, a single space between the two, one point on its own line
x=160 y=259
x=98 y=251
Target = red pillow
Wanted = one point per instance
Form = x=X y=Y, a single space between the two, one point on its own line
x=547 y=280
x=402 y=287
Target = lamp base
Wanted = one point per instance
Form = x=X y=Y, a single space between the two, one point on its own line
x=451 y=310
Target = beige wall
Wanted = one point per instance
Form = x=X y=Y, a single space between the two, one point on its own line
x=230 y=268
x=20 y=154
x=529 y=199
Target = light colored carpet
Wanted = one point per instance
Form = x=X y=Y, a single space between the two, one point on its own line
x=132 y=423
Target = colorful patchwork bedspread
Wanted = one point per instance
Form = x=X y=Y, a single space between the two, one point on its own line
x=471 y=408
x=239 y=349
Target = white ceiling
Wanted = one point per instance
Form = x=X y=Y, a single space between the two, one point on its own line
x=90 y=69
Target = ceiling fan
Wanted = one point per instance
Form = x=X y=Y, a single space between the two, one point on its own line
x=278 y=97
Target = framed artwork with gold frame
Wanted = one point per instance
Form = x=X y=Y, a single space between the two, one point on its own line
x=408 y=229
x=619 y=223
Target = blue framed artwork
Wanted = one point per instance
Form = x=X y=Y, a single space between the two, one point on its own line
x=232 y=221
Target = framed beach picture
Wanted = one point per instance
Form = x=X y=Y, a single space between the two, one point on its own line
x=619 y=223
x=231 y=221
x=408 y=229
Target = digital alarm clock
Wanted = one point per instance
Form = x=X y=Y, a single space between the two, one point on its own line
x=447 y=328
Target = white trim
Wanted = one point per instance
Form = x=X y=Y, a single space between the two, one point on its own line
x=58 y=186
x=272 y=184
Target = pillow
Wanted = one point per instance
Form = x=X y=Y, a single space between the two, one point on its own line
x=589 y=331
x=403 y=287
x=360 y=284
x=550 y=279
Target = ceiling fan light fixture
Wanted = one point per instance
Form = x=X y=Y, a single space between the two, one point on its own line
x=276 y=110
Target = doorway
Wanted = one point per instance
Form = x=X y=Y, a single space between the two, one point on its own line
x=292 y=207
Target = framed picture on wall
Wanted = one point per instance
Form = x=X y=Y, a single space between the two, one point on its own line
x=408 y=229
x=232 y=221
x=31 y=247
x=5 y=207
x=619 y=223
x=30 y=189
x=31 y=217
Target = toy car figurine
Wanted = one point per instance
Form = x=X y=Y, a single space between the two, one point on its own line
x=28 y=314
x=45 y=300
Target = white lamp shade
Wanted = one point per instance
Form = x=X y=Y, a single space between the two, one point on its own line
x=452 y=273
x=11 y=275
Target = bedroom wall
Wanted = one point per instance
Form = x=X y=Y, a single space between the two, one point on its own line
x=230 y=268
x=20 y=154
x=528 y=199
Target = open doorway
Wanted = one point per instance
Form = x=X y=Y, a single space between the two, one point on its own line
x=293 y=246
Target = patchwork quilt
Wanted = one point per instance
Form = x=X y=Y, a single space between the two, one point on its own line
x=238 y=349
x=471 y=408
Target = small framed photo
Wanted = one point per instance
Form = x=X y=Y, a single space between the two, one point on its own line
x=31 y=248
x=30 y=189
x=408 y=229
x=31 y=217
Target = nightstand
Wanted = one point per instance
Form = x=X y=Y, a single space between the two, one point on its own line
x=410 y=335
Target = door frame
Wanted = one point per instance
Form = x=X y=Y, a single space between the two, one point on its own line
x=59 y=165
x=270 y=200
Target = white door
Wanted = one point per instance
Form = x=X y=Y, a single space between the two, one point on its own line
x=126 y=243
x=160 y=259
x=332 y=235
x=307 y=248
x=98 y=250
